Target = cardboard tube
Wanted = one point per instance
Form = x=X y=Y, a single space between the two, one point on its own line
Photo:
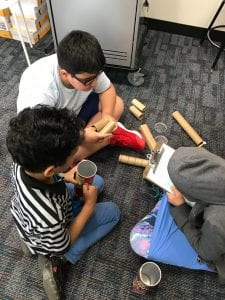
x=136 y=112
x=188 y=128
x=138 y=105
x=135 y=161
x=108 y=127
x=150 y=141
x=146 y=171
x=100 y=124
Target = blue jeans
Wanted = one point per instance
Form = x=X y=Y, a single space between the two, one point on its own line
x=76 y=203
x=104 y=218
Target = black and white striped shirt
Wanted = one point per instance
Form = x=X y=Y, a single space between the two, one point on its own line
x=41 y=212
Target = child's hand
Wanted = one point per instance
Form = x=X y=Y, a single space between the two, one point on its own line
x=176 y=198
x=90 y=194
x=70 y=176
x=102 y=136
x=92 y=136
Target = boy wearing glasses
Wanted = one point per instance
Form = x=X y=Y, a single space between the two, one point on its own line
x=74 y=78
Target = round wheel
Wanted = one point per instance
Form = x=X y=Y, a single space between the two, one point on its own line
x=135 y=78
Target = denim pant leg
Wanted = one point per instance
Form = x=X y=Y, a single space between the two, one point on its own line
x=104 y=218
x=97 y=181
x=76 y=203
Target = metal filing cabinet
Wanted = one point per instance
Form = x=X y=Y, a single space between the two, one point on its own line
x=116 y=24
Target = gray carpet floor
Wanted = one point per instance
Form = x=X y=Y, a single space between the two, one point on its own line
x=178 y=77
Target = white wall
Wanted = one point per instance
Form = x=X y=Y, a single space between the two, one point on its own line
x=197 y=13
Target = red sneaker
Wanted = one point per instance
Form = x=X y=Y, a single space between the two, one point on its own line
x=127 y=138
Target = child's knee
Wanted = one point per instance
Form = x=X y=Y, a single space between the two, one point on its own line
x=139 y=243
x=99 y=182
x=116 y=210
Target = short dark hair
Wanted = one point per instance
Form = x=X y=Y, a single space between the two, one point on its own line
x=42 y=136
x=80 y=52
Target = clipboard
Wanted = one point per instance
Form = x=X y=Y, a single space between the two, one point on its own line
x=160 y=176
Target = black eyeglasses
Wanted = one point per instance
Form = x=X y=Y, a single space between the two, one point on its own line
x=86 y=81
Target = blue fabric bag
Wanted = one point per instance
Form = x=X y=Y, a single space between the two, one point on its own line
x=169 y=245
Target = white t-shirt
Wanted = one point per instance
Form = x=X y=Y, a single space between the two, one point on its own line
x=40 y=84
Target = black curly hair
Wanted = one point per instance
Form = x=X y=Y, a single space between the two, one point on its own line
x=42 y=136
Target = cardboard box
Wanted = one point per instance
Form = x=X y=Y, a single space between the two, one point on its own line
x=34 y=35
x=32 y=2
x=32 y=24
x=29 y=11
x=4 y=8
x=5 y=23
x=5 y=34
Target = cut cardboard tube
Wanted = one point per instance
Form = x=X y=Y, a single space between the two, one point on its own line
x=146 y=171
x=188 y=128
x=150 y=141
x=136 y=112
x=101 y=124
x=138 y=105
x=108 y=127
x=135 y=161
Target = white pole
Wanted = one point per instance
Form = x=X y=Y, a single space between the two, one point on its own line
x=19 y=31
x=24 y=20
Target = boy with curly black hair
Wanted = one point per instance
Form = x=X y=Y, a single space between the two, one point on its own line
x=43 y=142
